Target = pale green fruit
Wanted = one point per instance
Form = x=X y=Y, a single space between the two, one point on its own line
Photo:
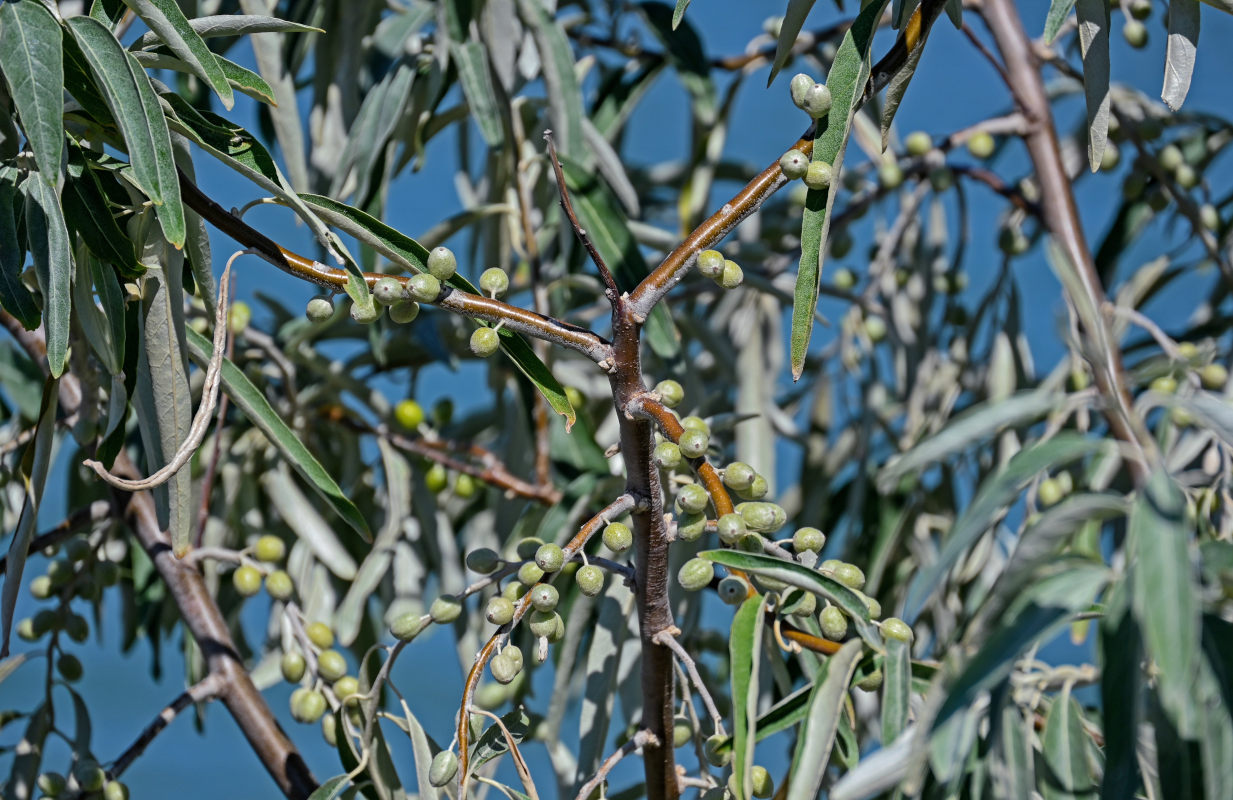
x=293 y=666
x=319 y=309
x=834 y=623
x=441 y=263
x=794 y=164
x=424 y=287
x=494 y=282
x=443 y=768
x=711 y=263
x=670 y=392
x=694 y=443
x=739 y=476
x=387 y=291
x=331 y=665
x=732 y=276
x=404 y=311
x=918 y=143
x=695 y=574
x=895 y=628
x=445 y=608
x=819 y=175
x=485 y=342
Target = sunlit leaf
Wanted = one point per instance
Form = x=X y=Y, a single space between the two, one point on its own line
x=1059 y=10
x=32 y=64
x=1180 y=52
x=1065 y=749
x=793 y=20
x=745 y=652
x=1094 y=43
x=817 y=737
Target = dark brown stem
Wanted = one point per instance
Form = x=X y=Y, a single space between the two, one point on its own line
x=611 y=291
x=205 y=689
x=490 y=469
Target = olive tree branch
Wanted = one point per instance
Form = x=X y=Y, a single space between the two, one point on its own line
x=206 y=689
x=646 y=406
x=643 y=738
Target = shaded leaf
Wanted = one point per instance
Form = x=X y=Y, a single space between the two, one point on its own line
x=813 y=748
x=14 y=296
x=331 y=788
x=1094 y=44
x=476 y=79
x=32 y=63
x=48 y=239
x=745 y=654
x=896 y=689
x=793 y=20
x=88 y=212
x=1180 y=52
x=1065 y=749
x=1119 y=655
x=232 y=25
x=560 y=82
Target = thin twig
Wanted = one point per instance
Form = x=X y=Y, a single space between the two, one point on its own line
x=95 y=512
x=205 y=689
x=669 y=640
x=520 y=763
x=612 y=291
x=641 y=739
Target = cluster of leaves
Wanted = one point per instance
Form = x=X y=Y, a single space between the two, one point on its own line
x=965 y=488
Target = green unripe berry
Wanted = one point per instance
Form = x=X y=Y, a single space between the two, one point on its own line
x=247 y=580
x=293 y=666
x=544 y=623
x=404 y=311
x=850 y=576
x=320 y=634
x=1171 y=157
x=801 y=604
x=739 y=476
x=1049 y=492
x=544 y=597
x=69 y=667
x=799 y=87
x=550 y=557
x=874 y=607
x=319 y=309
x=794 y=164
x=465 y=486
x=409 y=414
x=1165 y=384
x=757 y=490
x=1110 y=158
x=329 y=730
x=484 y=342
x=819 y=175
x=694 y=443
x=1209 y=217
x=530 y=574
x=114 y=790
x=670 y=392
x=890 y=176
x=1214 y=376
x=494 y=282
x=436 y=478
x=278 y=583
x=424 y=287
x=895 y=628
x=618 y=537
x=441 y=263
x=1135 y=34
x=834 y=623
x=345 y=687
x=667 y=455
x=60 y=572
x=870 y=683
x=763 y=786
x=818 y=101
x=694 y=423
x=89 y=775
x=590 y=580
x=512 y=652
x=514 y=591
x=443 y=768
x=499 y=611
x=528 y=547
x=365 y=315
x=1187 y=351
x=387 y=291
x=750 y=542
x=41 y=588
x=695 y=574
x=682 y=731
x=711 y=263
x=483 y=560
x=981 y=144
x=1186 y=176
x=445 y=609
x=733 y=590
x=730 y=527
x=692 y=498
x=762 y=517
x=307 y=705
x=76 y=627
x=269 y=549
x=51 y=783
x=918 y=143
x=690 y=526
x=714 y=756
x=1012 y=241
x=875 y=328
x=77 y=549
x=808 y=540
x=26 y=630
x=238 y=317
x=1140 y=9
x=941 y=179
x=732 y=276
x=331 y=665
x=845 y=279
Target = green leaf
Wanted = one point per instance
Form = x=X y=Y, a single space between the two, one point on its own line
x=1094 y=44
x=678 y=13
x=48 y=239
x=789 y=29
x=247 y=81
x=846 y=80
x=560 y=82
x=252 y=402
x=805 y=578
x=897 y=85
x=687 y=56
x=1180 y=51
x=9 y=665
x=1119 y=655
x=476 y=78
x=1065 y=748
x=996 y=493
x=330 y=789
x=813 y=748
x=28 y=755
x=745 y=654
x=1059 y=10
x=300 y=515
x=232 y=25
x=136 y=110
x=89 y=214
x=167 y=21
x=32 y=62
x=896 y=689
x=411 y=255
x=1016 y=777
x=1165 y=595
x=14 y=296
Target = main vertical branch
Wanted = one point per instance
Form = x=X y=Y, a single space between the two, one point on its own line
x=651 y=566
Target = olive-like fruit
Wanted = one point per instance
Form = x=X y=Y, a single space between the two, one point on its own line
x=544 y=597
x=918 y=143
x=834 y=623
x=1165 y=384
x=484 y=342
x=441 y=263
x=51 y=783
x=895 y=628
x=115 y=790
x=667 y=455
x=247 y=580
x=424 y=288
x=319 y=309
x=445 y=608
x=443 y=768
x=278 y=583
x=694 y=443
x=731 y=527
x=750 y=543
x=733 y=590
x=331 y=665
x=714 y=756
x=530 y=574
x=89 y=775
x=69 y=667
x=682 y=731
x=808 y=539
x=543 y=623
x=27 y=631
x=436 y=478
x=528 y=547
x=818 y=101
x=238 y=317
x=801 y=604
x=763 y=786
x=76 y=627
x=618 y=537
x=41 y=588
x=692 y=498
x=875 y=328
x=404 y=311
x=799 y=87
x=850 y=576
x=409 y=414
x=874 y=607
x=1049 y=492
x=732 y=276
x=819 y=175
x=739 y=476
x=407 y=626
x=465 y=486
x=499 y=611
x=590 y=580
x=550 y=557
x=890 y=176
x=514 y=654
x=77 y=549
x=695 y=423
x=695 y=574
x=270 y=549
x=711 y=263
x=1209 y=217
x=757 y=490
x=514 y=591
x=483 y=560
x=345 y=687
x=494 y=282
x=307 y=705
x=1214 y=376
x=981 y=144
x=670 y=392
x=762 y=517
x=320 y=634
x=794 y=164
x=1140 y=9
x=293 y=666
x=365 y=315
x=1110 y=158
x=941 y=179
x=845 y=279
x=387 y=291
x=329 y=730
x=1135 y=34
x=1186 y=176
x=871 y=682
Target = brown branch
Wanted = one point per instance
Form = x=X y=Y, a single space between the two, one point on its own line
x=612 y=292
x=643 y=738
x=205 y=689
x=491 y=470
x=647 y=407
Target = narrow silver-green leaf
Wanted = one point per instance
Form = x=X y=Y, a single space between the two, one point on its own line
x=1094 y=45
x=28 y=755
x=560 y=82
x=1165 y=595
x=252 y=402
x=897 y=86
x=1180 y=51
x=15 y=298
x=745 y=655
x=245 y=80
x=1059 y=10
x=678 y=13
x=847 y=78
x=1013 y=767
x=302 y=517
x=9 y=665
x=136 y=109
x=331 y=788
x=232 y=25
x=31 y=58
x=896 y=689
x=476 y=78
x=48 y=239
x=92 y=319
x=813 y=749
x=167 y=21
x=789 y=29
x=1065 y=749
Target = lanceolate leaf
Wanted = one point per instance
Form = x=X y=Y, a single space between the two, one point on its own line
x=168 y=22
x=136 y=110
x=90 y=215
x=846 y=80
x=232 y=25
x=1065 y=746
x=331 y=788
x=745 y=654
x=1059 y=10
x=14 y=296
x=1094 y=43
x=1180 y=52
x=560 y=82
x=247 y=81
x=31 y=60
x=477 y=84
x=48 y=239
x=678 y=13
x=789 y=29
x=252 y=402
x=813 y=748
x=896 y=685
